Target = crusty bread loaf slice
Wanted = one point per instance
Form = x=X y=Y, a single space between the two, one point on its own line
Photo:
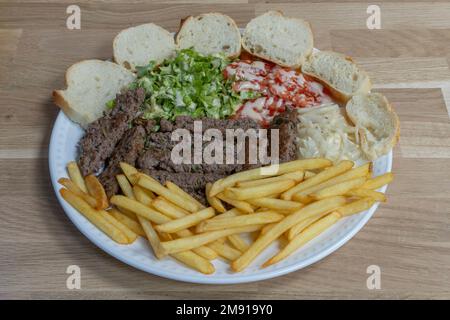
x=280 y=39
x=376 y=122
x=339 y=73
x=137 y=46
x=90 y=84
x=210 y=33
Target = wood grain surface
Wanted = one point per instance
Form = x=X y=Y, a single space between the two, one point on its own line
x=408 y=237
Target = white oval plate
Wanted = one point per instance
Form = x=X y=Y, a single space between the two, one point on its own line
x=63 y=148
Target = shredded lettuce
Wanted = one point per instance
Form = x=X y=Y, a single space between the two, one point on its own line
x=111 y=104
x=188 y=84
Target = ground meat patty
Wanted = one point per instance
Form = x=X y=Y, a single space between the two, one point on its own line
x=129 y=102
x=127 y=150
x=187 y=122
x=159 y=146
x=102 y=135
x=156 y=159
x=150 y=151
x=286 y=123
x=158 y=156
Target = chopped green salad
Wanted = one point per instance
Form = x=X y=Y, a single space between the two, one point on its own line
x=188 y=84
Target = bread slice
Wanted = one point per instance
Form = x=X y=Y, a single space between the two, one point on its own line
x=376 y=122
x=339 y=73
x=90 y=84
x=210 y=33
x=137 y=46
x=280 y=39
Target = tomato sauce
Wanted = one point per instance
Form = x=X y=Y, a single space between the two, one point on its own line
x=277 y=88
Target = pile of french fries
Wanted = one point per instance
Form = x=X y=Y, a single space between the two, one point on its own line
x=293 y=202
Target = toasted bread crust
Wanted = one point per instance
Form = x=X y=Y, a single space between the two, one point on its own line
x=63 y=104
x=388 y=144
x=340 y=96
x=337 y=94
x=71 y=109
x=184 y=22
x=277 y=61
x=126 y=64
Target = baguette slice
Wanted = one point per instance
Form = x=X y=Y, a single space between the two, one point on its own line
x=339 y=73
x=137 y=46
x=210 y=33
x=376 y=122
x=90 y=84
x=282 y=40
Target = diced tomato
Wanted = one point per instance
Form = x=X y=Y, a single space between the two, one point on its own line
x=282 y=87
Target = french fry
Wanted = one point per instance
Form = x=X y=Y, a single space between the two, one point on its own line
x=188 y=243
x=125 y=186
x=311 y=210
x=295 y=230
x=274 y=196
x=129 y=172
x=292 y=202
x=308 y=174
x=260 y=191
x=70 y=185
x=130 y=234
x=324 y=175
x=142 y=196
x=241 y=205
x=130 y=223
x=267 y=227
x=151 y=184
x=206 y=252
x=195 y=261
x=379 y=181
x=225 y=251
x=168 y=208
x=75 y=175
x=361 y=171
x=165 y=236
x=338 y=189
x=97 y=191
x=202 y=251
x=305 y=236
x=172 y=186
x=265 y=172
x=152 y=237
x=221 y=240
x=192 y=259
x=237 y=242
x=186 y=222
x=275 y=204
x=297 y=176
x=364 y=193
x=128 y=213
x=148 y=192
x=304 y=199
x=355 y=206
x=228 y=214
x=93 y=216
x=244 y=220
x=214 y=201
x=139 y=209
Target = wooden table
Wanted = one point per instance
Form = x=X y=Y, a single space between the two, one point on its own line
x=408 y=237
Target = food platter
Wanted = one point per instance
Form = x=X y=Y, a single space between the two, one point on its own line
x=148 y=211
x=63 y=148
